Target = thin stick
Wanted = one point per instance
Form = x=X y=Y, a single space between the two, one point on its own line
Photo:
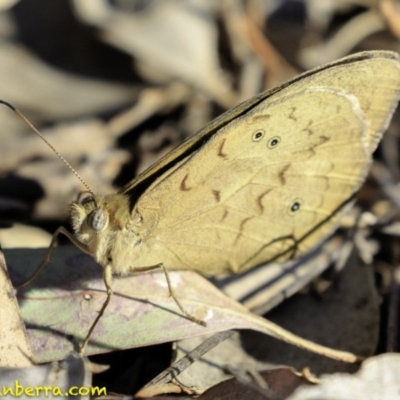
x=181 y=365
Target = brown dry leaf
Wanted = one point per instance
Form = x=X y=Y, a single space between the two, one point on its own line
x=15 y=350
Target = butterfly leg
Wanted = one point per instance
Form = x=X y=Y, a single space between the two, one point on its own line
x=46 y=259
x=108 y=283
x=171 y=292
x=107 y=274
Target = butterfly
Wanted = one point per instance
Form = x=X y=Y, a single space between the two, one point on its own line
x=266 y=181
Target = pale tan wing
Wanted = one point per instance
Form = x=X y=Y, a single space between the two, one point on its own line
x=139 y=184
x=273 y=180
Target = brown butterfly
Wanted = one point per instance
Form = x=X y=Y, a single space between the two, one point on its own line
x=267 y=180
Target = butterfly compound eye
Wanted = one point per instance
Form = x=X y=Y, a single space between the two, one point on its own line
x=97 y=219
x=85 y=197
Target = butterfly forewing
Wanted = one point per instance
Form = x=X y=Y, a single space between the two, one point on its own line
x=350 y=73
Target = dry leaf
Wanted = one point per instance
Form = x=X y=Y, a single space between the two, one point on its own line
x=15 y=351
x=56 y=307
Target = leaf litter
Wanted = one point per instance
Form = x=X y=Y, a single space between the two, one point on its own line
x=244 y=49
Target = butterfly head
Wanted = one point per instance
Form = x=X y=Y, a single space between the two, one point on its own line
x=89 y=218
x=97 y=219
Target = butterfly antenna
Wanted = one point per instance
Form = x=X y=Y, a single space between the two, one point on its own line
x=22 y=116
